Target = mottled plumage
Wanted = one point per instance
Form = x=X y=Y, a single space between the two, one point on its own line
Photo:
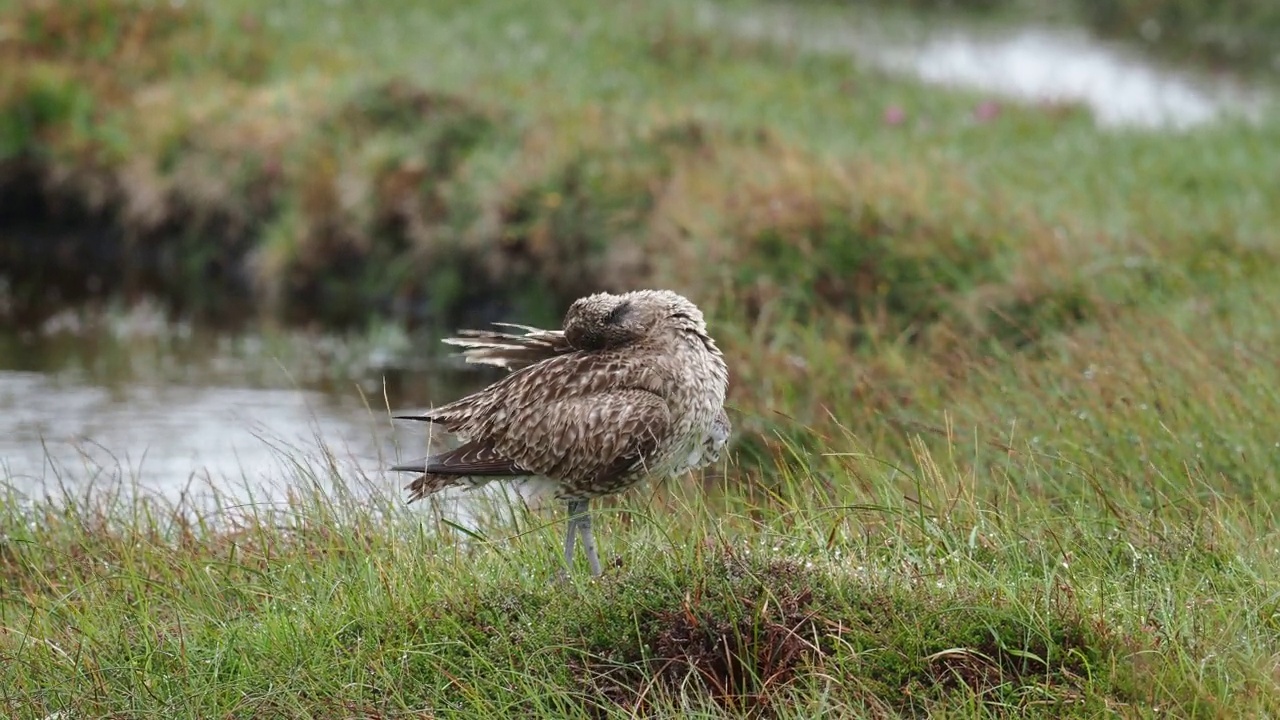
x=513 y=352
x=632 y=387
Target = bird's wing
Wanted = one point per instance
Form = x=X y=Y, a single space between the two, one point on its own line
x=508 y=350
x=471 y=459
x=580 y=439
x=555 y=379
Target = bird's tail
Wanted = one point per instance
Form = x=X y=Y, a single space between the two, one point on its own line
x=427 y=482
x=430 y=483
x=508 y=350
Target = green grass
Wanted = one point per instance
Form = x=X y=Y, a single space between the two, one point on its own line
x=891 y=583
x=892 y=592
x=1004 y=393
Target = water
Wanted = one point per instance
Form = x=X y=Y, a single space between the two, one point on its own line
x=1030 y=63
x=180 y=413
x=1058 y=65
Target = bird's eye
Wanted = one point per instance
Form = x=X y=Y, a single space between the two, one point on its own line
x=619 y=311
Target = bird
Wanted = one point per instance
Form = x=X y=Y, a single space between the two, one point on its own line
x=514 y=352
x=633 y=387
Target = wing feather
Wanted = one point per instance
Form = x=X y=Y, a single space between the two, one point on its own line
x=468 y=460
x=541 y=385
x=581 y=441
x=586 y=439
x=508 y=350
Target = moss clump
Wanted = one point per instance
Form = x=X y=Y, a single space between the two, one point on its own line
x=585 y=220
x=46 y=98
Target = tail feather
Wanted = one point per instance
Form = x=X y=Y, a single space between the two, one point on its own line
x=419 y=465
x=430 y=483
x=425 y=417
x=508 y=350
x=426 y=483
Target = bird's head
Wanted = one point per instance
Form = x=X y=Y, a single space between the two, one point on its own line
x=606 y=320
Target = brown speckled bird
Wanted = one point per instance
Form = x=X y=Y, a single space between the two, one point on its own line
x=632 y=387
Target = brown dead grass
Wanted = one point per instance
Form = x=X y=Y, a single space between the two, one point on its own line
x=119 y=43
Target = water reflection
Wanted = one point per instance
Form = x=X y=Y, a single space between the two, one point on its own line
x=173 y=437
x=179 y=413
x=1040 y=64
x=1037 y=64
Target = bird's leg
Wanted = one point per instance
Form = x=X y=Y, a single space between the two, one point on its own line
x=580 y=522
x=571 y=532
x=588 y=538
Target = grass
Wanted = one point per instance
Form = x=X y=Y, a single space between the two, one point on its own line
x=1004 y=391
x=311 y=181
x=901 y=593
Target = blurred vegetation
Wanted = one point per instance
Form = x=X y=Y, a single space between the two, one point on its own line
x=1239 y=33
x=182 y=150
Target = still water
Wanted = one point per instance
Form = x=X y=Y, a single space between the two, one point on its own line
x=1034 y=63
x=181 y=413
